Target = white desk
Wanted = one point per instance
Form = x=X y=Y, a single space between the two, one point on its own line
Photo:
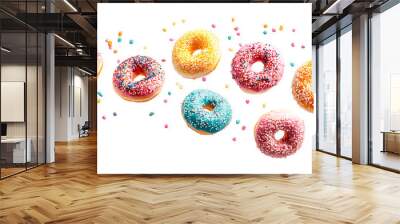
x=18 y=149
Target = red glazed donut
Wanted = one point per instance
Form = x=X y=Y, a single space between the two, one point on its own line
x=142 y=90
x=269 y=124
x=256 y=82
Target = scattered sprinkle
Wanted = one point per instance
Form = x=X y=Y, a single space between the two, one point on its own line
x=292 y=44
x=265 y=25
x=103 y=117
x=281 y=28
x=109 y=42
x=236 y=28
x=130 y=41
x=213 y=26
x=238 y=33
x=264 y=105
x=98 y=100
x=163 y=60
x=234 y=139
x=243 y=128
x=173 y=23
x=165 y=125
x=226 y=86
x=119 y=40
x=171 y=39
x=273 y=30
x=233 y=19
x=165 y=101
x=229 y=37
x=164 y=30
x=293 y=30
x=265 y=32
x=302 y=46
x=183 y=20
x=247 y=101
x=99 y=94
x=151 y=114
x=203 y=79
x=179 y=85
x=237 y=121
x=115 y=51
x=114 y=114
x=145 y=47
x=292 y=64
x=120 y=33
x=230 y=49
x=169 y=93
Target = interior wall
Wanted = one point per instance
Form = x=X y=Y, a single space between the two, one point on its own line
x=92 y=103
x=15 y=72
x=71 y=102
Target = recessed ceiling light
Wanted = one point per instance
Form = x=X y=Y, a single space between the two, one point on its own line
x=70 y=5
x=84 y=71
x=64 y=40
x=5 y=50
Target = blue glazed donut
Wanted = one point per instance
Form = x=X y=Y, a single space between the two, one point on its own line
x=206 y=112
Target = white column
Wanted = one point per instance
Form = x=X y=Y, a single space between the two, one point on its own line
x=50 y=92
x=360 y=90
x=50 y=99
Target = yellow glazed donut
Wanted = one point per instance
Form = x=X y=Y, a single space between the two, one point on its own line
x=196 y=53
x=302 y=87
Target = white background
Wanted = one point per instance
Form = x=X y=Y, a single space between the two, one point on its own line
x=135 y=143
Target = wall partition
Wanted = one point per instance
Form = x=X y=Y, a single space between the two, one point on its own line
x=22 y=78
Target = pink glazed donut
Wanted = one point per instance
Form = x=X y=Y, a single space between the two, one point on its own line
x=138 y=90
x=269 y=124
x=256 y=82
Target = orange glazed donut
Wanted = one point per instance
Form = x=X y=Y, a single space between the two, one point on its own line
x=196 y=53
x=99 y=64
x=302 y=87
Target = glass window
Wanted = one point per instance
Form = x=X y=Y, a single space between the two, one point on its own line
x=13 y=89
x=385 y=89
x=327 y=96
x=22 y=91
x=346 y=93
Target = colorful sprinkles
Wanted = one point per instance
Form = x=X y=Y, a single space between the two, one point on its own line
x=253 y=81
x=206 y=111
x=129 y=89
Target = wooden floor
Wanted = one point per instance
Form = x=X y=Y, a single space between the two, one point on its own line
x=69 y=191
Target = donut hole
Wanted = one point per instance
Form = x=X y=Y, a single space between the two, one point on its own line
x=138 y=75
x=279 y=135
x=197 y=48
x=209 y=107
x=197 y=52
x=257 y=66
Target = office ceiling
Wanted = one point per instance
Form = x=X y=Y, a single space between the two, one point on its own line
x=76 y=21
